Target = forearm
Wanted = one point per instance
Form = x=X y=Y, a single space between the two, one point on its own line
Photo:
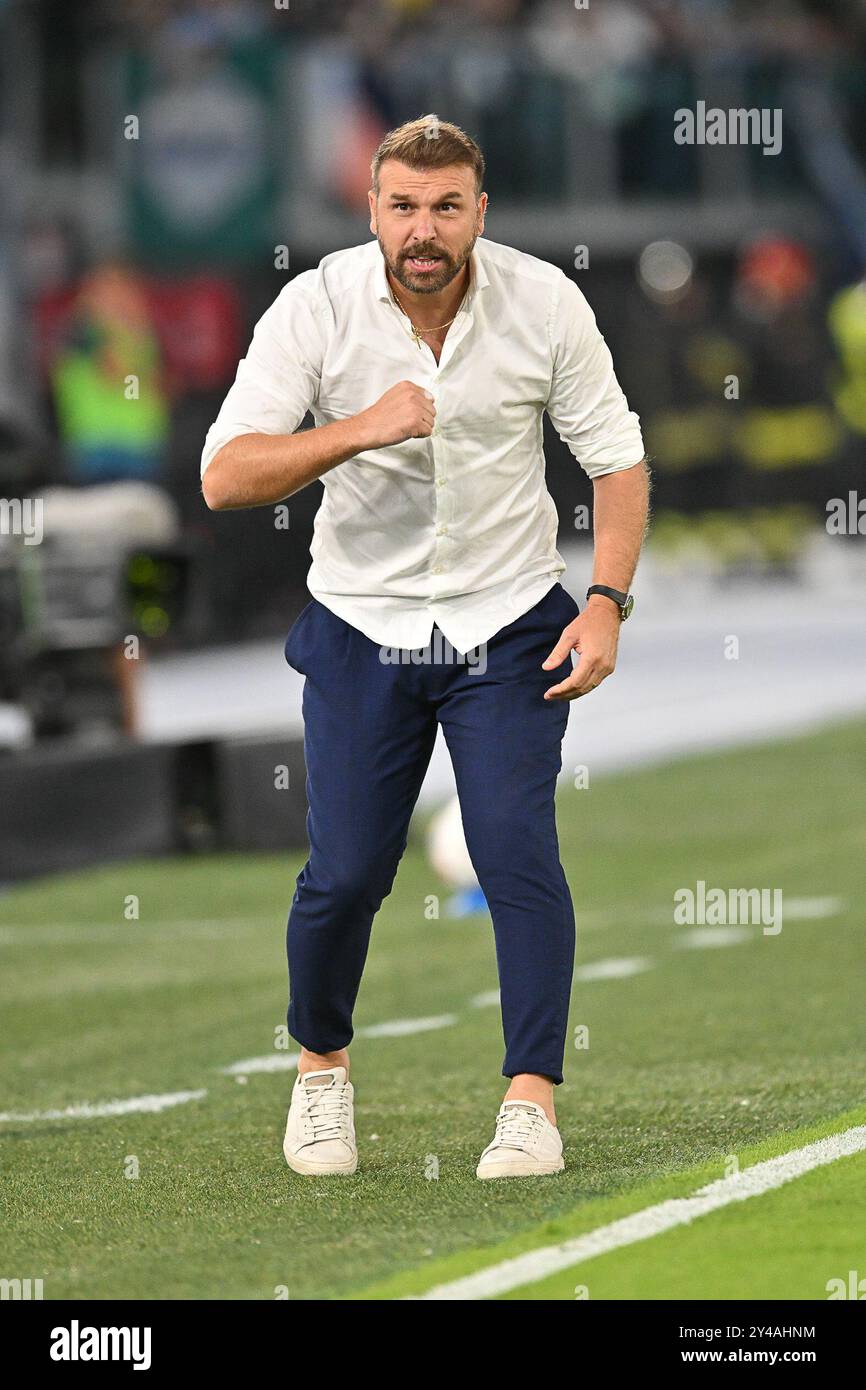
x=620 y=511
x=255 y=470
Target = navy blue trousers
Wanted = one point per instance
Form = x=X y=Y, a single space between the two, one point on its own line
x=369 y=730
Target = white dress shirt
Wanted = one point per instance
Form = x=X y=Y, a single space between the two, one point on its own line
x=459 y=528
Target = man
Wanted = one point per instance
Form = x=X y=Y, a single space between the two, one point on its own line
x=427 y=358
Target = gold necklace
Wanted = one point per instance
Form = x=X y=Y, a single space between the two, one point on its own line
x=417 y=333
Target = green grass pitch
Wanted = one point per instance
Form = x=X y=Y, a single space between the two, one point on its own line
x=745 y=1049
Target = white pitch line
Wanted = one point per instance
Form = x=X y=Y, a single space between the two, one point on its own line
x=64 y=934
x=489 y=999
x=793 y=909
x=74 y=934
x=809 y=909
x=393 y=1028
x=702 y=938
x=402 y=1027
x=272 y=1061
x=616 y=968
x=762 y=1177
x=86 y=1111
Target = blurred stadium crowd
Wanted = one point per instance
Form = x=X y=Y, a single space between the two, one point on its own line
x=170 y=163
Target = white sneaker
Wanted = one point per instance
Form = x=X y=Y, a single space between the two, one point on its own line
x=525 y=1144
x=320 y=1130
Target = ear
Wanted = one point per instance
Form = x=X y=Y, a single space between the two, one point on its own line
x=482 y=208
x=371 y=198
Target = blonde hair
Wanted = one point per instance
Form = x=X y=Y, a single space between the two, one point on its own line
x=428 y=143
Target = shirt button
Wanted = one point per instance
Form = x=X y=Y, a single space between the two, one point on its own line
x=441 y=530
x=440 y=482
x=437 y=569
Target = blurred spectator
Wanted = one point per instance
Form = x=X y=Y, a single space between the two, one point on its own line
x=107 y=382
x=598 y=46
x=847 y=322
x=676 y=354
x=789 y=420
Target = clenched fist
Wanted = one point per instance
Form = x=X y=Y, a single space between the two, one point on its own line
x=406 y=411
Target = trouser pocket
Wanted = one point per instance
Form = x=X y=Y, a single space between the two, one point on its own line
x=291 y=640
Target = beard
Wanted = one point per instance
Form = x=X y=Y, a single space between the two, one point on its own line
x=435 y=281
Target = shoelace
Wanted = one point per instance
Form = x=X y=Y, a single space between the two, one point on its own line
x=326 y=1111
x=516 y=1127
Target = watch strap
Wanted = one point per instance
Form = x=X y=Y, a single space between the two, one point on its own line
x=624 y=602
x=616 y=594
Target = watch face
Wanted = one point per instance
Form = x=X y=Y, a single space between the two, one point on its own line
x=627 y=607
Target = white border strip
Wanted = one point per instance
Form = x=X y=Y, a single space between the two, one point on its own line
x=536 y=1265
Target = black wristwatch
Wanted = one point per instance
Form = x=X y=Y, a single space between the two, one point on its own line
x=625 y=602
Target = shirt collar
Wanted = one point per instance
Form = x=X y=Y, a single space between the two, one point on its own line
x=477 y=277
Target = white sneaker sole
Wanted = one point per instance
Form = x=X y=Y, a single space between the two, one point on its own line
x=528 y=1169
x=310 y=1168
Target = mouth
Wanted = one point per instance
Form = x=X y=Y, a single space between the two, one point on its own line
x=422 y=265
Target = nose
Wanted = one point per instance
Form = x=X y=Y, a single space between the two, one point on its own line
x=423 y=229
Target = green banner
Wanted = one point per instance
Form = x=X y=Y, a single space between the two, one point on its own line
x=199 y=149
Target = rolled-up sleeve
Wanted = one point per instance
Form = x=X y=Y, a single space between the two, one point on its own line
x=586 y=403
x=278 y=380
